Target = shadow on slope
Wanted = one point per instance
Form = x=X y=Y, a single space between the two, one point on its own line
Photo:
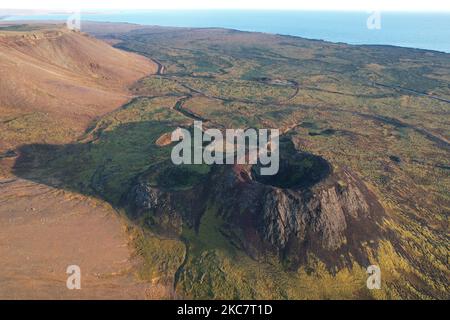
x=103 y=166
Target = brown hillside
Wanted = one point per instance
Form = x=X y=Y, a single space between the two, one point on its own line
x=53 y=82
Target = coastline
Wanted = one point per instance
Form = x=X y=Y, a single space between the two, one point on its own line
x=427 y=31
x=138 y=26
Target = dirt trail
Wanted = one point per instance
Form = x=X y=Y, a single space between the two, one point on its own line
x=185 y=112
x=423 y=94
x=161 y=69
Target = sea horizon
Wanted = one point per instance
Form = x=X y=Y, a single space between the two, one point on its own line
x=429 y=30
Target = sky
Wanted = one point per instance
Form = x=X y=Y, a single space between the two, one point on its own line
x=359 y=5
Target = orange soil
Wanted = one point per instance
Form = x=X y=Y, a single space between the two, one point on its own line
x=68 y=76
x=44 y=230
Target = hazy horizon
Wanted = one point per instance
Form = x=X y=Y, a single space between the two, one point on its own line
x=404 y=29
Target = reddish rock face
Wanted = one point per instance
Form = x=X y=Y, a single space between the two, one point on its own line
x=332 y=218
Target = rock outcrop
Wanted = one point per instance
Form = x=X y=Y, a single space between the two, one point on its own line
x=335 y=218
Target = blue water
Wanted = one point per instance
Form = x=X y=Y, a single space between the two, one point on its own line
x=416 y=30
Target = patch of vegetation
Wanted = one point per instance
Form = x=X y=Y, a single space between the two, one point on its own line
x=180 y=177
x=161 y=257
x=297 y=170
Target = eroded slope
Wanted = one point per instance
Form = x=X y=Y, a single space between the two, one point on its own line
x=54 y=81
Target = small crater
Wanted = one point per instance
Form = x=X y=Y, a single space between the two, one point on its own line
x=181 y=177
x=298 y=170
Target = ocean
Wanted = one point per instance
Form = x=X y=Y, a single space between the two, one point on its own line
x=416 y=30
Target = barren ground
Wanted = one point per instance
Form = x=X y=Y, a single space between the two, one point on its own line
x=57 y=83
x=44 y=230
